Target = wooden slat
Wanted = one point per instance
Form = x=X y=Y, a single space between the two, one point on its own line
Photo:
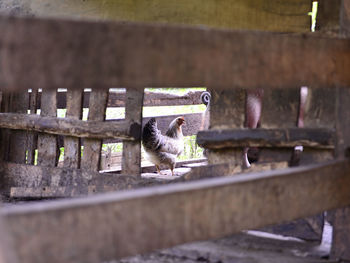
x=102 y=55
x=280 y=110
x=32 y=138
x=71 y=127
x=17 y=150
x=117 y=99
x=72 y=146
x=327 y=20
x=227 y=111
x=7 y=254
x=92 y=148
x=5 y=133
x=94 y=227
x=285 y=16
x=340 y=217
x=47 y=144
x=285 y=138
x=131 y=162
x=319 y=112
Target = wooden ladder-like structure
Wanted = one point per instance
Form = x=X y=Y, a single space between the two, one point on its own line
x=52 y=54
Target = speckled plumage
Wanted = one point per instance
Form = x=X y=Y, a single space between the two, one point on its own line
x=163 y=149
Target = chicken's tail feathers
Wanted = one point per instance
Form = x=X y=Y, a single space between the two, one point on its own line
x=150 y=134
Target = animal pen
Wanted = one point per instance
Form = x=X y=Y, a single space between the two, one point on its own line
x=44 y=52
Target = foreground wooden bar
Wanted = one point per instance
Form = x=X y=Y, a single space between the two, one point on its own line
x=116 y=225
x=289 y=137
x=121 y=129
x=102 y=55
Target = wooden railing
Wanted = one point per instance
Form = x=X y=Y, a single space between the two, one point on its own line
x=103 y=55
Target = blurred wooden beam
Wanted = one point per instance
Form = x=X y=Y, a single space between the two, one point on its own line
x=101 y=55
x=117 y=225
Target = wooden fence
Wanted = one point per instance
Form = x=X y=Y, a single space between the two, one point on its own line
x=100 y=55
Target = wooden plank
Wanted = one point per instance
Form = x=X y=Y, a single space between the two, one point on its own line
x=227 y=111
x=7 y=254
x=32 y=138
x=280 y=110
x=47 y=144
x=340 y=217
x=17 y=149
x=141 y=213
x=92 y=148
x=171 y=56
x=285 y=138
x=30 y=176
x=5 y=133
x=72 y=146
x=117 y=99
x=127 y=130
x=131 y=162
x=327 y=20
x=278 y=16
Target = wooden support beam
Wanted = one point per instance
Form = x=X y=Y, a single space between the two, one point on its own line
x=101 y=55
x=284 y=138
x=30 y=176
x=142 y=220
x=48 y=152
x=121 y=129
x=72 y=146
x=117 y=99
x=32 y=137
x=92 y=147
x=285 y=16
x=131 y=162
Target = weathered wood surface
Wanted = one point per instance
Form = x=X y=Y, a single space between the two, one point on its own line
x=72 y=146
x=48 y=152
x=227 y=111
x=32 y=137
x=31 y=176
x=7 y=254
x=94 y=227
x=5 y=133
x=341 y=225
x=17 y=149
x=285 y=138
x=75 y=54
x=92 y=147
x=279 y=16
x=327 y=20
x=131 y=162
x=117 y=99
x=69 y=126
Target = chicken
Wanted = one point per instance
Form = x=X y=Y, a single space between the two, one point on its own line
x=163 y=149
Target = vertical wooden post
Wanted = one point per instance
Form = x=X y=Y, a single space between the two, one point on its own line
x=5 y=133
x=17 y=151
x=72 y=146
x=92 y=148
x=32 y=137
x=131 y=162
x=341 y=217
x=281 y=110
x=47 y=144
x=227 y=111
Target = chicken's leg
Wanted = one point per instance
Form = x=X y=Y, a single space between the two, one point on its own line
x=158 y=169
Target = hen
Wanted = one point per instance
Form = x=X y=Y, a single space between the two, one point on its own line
x=163 y=149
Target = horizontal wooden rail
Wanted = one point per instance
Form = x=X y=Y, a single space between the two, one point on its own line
x=71 y=127
x=116 y=225
x=75 y=54
x=117 y=99
x=308 y=137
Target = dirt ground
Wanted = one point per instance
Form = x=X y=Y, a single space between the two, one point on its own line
x=246 y=247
